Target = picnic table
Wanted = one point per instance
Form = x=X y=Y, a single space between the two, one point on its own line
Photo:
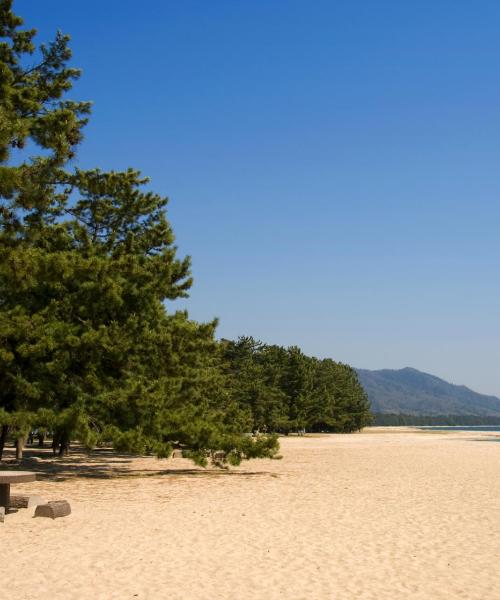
x=8 y=477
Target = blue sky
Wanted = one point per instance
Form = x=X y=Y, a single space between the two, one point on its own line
x=333 y=167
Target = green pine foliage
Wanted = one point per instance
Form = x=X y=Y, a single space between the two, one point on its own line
x=284 y=390
x=88 y=349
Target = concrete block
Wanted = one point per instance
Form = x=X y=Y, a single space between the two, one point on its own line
x=19 y=501
x=54 y=509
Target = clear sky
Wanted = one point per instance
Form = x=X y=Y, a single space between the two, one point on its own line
x=333 y=167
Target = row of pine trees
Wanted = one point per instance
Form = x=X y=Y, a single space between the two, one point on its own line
x=284 y=390
x=90 y=346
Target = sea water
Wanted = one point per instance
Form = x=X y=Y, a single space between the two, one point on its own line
x=461 y=427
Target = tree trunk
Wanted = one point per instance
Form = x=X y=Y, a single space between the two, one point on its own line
x=64 y=445
x=20 y=447
x=55 y=442
x=41 y=439
x=3 y=438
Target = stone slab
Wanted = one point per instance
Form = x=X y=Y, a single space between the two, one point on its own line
x=17 y=476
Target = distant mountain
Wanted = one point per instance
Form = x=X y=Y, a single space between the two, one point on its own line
x=411 y=392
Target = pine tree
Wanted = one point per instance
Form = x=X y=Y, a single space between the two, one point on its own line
x=32 y=112
x=87 y=267
x=253 y=370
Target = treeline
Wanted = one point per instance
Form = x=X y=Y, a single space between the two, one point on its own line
x=261 y=389
x=387 y=419
x=284 y=390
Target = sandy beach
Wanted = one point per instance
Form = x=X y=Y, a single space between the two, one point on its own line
x=379 y=515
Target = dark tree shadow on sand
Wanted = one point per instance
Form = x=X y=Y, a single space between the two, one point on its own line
x=105 y=463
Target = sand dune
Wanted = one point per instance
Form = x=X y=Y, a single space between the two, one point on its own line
x=377 y=515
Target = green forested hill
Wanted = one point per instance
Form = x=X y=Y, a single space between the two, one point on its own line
x=411 y=392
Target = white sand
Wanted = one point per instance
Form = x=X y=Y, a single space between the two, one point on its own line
x=378 y=515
